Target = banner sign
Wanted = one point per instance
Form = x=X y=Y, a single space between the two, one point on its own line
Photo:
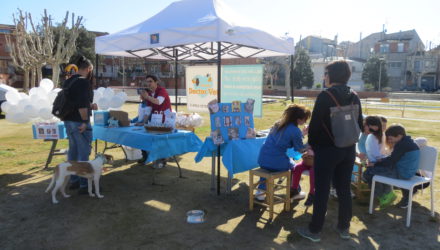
x=243 y=82
x=201 y=87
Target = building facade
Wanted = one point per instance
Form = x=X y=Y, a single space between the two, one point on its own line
x=422 y=70
x=395 y=48
x=319 y=47
x=355 y=82
x=7 y=70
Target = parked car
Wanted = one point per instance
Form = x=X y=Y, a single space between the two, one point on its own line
x=412 y=87
x=428 y=84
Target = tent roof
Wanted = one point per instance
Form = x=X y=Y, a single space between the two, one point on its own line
x=193 y=27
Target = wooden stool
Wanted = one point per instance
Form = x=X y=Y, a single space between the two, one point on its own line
x=272 y=187
x=360 y=188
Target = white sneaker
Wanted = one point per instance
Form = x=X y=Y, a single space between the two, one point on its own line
x=333 y=193
x=301 y=195
x=260 y=195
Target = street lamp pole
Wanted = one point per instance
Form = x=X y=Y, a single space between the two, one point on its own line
x=380 y=72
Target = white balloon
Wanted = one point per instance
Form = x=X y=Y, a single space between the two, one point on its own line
x=51 y=96
x=31 y=111
x=103 y=103
x=108 y=93
x=9 y=117
x=41 y=92
x=45 y=113
x=100 y=90
x=23 y=103
x=6 y=106
x=12 y=96
x=43 y=103
x=123 y=95
x=116 y=102
x=13 y=109
x=34 y=98
x=23 y=95
x=96 y=96
x=56 y=90
x=46 y=84
x=18 y=118
x=33 y=91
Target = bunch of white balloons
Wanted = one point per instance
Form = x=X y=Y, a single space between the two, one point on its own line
x=22 y=108
x=107 y=99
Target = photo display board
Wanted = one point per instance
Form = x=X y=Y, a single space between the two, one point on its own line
x=49 y=130
x=231 y=121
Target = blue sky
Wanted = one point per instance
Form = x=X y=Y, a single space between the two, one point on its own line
x=347 y=18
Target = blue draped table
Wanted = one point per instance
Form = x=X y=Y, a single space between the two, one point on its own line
x=159 y=146
x=237 y=155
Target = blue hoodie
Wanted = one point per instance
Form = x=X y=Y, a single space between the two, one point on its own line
x=273 y=153
x=405 y=158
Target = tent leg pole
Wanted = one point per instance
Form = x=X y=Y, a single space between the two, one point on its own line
x=175 y=76
x=219 y=78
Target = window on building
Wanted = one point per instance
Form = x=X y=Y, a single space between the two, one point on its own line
x=353 y=69
x=384 y=48
x=417 y=66
x=5 y=31
x=400 y=47
x=428 y=64
x=395 y=64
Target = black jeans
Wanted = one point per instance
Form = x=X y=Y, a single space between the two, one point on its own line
x=335 y=164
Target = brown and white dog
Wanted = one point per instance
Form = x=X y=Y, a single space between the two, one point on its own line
x=88 y=169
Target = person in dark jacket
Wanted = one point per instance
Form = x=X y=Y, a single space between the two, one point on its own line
x=331 y=161
x=77 y=123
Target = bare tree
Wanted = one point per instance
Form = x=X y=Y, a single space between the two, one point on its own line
x=20 y=51
x=62 y=49
x=36 y=45
x=272 y=67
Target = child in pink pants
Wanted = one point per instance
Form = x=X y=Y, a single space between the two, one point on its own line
x=296 y=177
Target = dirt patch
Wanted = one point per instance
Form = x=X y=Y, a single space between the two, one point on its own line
x=135 y=214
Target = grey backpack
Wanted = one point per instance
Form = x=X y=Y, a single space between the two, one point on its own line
x=344 y=122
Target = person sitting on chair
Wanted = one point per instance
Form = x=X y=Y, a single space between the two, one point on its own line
x=401 y=164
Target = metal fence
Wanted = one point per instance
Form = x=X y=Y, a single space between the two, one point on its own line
x=399 y=108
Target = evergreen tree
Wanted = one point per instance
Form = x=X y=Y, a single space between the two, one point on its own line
x=371 y=73
x=302 y=69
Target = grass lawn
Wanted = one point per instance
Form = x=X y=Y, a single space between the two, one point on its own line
x=137 y=215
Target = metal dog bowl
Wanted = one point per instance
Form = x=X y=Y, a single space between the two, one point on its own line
x=195 y=216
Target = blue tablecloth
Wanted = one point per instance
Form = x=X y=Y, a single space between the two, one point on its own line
x=159 y=146
x=238 y=155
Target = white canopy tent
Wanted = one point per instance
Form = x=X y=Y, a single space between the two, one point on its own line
x=202 y=30
x=191 y=27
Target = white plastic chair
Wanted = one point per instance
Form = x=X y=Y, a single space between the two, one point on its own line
x=428 y=162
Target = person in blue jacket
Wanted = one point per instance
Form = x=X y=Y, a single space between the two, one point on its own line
x=284 y=134
x=401 y=164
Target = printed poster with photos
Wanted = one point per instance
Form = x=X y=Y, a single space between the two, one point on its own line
x=231 y=121
x=47 y=130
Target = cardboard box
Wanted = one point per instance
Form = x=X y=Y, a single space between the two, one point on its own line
x=100 y=117
x=49 y=130
x=121 y=116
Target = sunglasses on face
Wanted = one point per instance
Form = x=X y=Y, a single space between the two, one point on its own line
x=372 y=130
